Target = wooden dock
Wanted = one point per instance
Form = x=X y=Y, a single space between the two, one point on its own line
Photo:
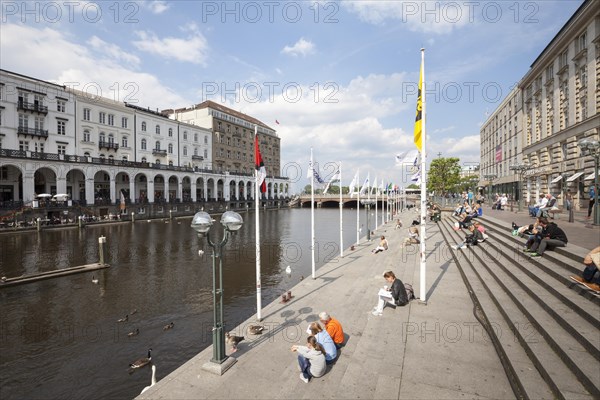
x=23 y=279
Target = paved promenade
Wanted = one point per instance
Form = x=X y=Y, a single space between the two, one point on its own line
x=424 y=351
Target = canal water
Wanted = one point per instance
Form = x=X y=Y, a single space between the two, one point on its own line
x=60 y=338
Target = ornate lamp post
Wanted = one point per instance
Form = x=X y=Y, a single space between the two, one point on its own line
x=520 y=169
x=490 y=178
x=368 y=203
x=201 y=223
x=591 y=147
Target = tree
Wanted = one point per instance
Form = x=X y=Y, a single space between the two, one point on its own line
x=413 y=186
x=444 y=174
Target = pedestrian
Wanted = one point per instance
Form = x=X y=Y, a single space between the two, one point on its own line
x=590 y=277
x=383 y=245
x=592 y=201
x=551 y=236
x=393 y=294
x=325 y=340
x=334 y=328
x=311 y=359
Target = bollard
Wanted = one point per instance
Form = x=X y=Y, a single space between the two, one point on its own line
x=170 y=214
x=39 y=224
x=571 y=215
x=289 y=294
x=132 y=216
x=284 y=298
x=101 y=241
x=79 y=222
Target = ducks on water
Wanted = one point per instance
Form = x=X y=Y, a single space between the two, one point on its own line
x=233 y=341
x=142 y=362
x=134 y=332
x=152 y=381
x=94 y=279
x=168 y=326
x=124 y=319
x=288 y=270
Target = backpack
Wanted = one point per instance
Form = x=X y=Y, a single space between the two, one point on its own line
x=410 y=293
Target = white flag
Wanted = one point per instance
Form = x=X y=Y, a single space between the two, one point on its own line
x=416 y=176
x=353 y=185
x=365 y=185
x=334 y=178
x=374 y=187
x=408 y=158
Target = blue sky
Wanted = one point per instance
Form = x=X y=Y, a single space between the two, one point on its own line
x=339 y=76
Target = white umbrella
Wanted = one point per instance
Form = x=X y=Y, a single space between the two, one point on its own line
x=61 y=195
x=44 y=195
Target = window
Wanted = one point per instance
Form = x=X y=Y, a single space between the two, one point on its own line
x=61 y=105
x=195 y=137
x=86 y=154
x=39 y=147
x=205 y=154
x=143 y=126
x=157 y=146
x=23 y=145
x=143 y=144
x=101 y=137
x=185 y=150
x=111 y=138
x=111 y=119
x=123 y=122
x=170 y=132
x=228 y=153
x=102 y=157
x=581 y=42
x=39 y=122
x=87 y=136
x=144 y=159
x=206 y=139
x=125 y=158
x=124 y=141
x=184 y=135
x=157 y=129
x=563 y=59
x=86 y=114
x=102 y=117
x=111 y=159
x=0 y=116
x=61 y=127
x=170 y=148
x=62 y=149
x=195 y=151
x=23 y=121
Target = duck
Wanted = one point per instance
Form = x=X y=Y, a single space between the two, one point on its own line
x=233 y=341
x=168 y=326
x=134 y=332
x=94 y=279
x=288 y=270
x=152 y=381
x=142 y=362
x=124 y=319
x=133 y=311
x=255 y=329
x=200 y=252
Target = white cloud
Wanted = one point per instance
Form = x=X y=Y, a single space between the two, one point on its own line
x=193 y=49
x=301 y=48
x=114 y=51
x=59 y=60
x=439 y=17
x=155 y=6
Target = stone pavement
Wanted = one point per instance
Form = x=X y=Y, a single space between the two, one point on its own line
x=581 y=232
x=434 y=350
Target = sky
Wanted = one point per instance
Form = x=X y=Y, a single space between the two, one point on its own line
x=338 y=76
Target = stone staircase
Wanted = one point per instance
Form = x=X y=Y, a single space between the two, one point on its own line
x=544 y=326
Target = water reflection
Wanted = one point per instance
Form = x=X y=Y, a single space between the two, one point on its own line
x=61 y=338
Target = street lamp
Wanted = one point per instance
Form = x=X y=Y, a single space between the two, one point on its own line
x=490 y=178
x=368 y=203
x=591 y=147
x=202 y=223
x=520 y=169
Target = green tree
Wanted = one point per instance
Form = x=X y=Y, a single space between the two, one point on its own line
x=444 y=174
x=413 y=186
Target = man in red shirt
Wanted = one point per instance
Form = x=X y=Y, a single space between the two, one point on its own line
x=334 y=328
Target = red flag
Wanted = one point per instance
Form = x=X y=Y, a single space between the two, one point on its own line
x=261 y=172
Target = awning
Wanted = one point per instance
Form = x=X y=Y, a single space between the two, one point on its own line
x=557 y=179
x=575 y=176
x=590 y=176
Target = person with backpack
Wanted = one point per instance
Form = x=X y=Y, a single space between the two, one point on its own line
x=394 y=294
x=551 y=236
x=473 y=237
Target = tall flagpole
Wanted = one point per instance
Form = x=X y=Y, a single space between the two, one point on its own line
x=341 y=215
x=357 y=208
x=422 y=288
x=376 y=215
x=312 y=213
x=257 y=235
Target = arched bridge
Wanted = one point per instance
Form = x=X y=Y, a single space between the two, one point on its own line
x=333 y=200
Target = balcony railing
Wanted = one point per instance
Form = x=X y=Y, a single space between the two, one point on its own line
x=24 y=130
x=159 y=152
x=201 y=158
x=108 y=145
x=37 y=107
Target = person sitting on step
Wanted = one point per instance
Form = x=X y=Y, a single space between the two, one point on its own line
x=394 y=294
x=551 y=236
x=383 y=245
x=473 y=238
x=590 y=277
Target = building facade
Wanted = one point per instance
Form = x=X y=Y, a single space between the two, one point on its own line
x=555 y=105
x=233 y=137
x=54 y=140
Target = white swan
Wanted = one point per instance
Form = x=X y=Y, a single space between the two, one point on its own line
x=288 y=270
x=153 y=381
x=94 y=279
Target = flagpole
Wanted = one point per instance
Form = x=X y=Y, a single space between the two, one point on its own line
x=312 y=213
x=257 y=235
x=422 y=288
x=357 y=208
x=376 y=215
x=341 y=216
